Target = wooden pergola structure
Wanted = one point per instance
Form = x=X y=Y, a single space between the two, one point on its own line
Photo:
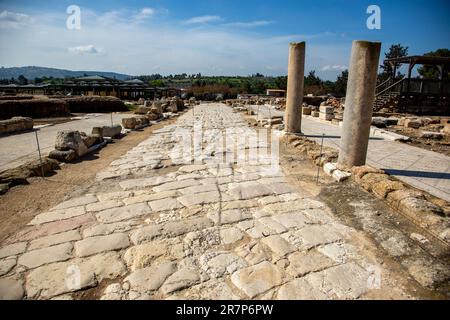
x=417 y=94
x=94 y=86
x=441 y=63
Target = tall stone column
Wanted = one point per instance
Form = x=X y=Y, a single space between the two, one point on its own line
x=359 y=101
x=296 y=73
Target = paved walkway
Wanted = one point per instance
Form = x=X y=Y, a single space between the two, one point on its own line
x=420 y=168
x=237 y=230
x=20 y=148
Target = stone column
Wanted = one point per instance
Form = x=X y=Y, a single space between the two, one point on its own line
x=359 y=101
x=296 y=73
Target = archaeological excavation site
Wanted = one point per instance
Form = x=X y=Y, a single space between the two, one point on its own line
x=252 y=158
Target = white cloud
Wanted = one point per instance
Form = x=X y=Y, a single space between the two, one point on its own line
x=106 y=19
x=14 y=20
x=144 y=13
x=203 y=19
x=334 y=68
x=166 y=48
x=147 y=12
x=89 y=49
x=250 y=24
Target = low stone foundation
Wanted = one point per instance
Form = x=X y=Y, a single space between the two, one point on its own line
x=95 y=104
x=34 y=108
x=16 y=124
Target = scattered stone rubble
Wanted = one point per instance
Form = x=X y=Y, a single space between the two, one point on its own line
x=108 y=131
x=431 y=213
x=18 y=176
x=158 y=110
x=71 y=145
x=326 y=112
x=278 y=103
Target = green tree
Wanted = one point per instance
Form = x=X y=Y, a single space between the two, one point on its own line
x=340 y=86
x=22 y=80
x=432 y=72
x=312 y=79
x=395 y=51
x=157 y=83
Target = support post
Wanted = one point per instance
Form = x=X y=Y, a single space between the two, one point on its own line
x=410 y=67
x=359 y=101
x=296 y=74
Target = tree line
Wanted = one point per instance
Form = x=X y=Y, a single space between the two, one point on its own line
x=259 y=83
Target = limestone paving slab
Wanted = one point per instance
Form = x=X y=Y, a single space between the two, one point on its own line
x=57 y=215
x=150 y=278
x=7 y=264
x=55 y=279
x=13 y=249
x=39 y=257
x=123 y=213
x=51 y=240
x=98 y=244
x=257 y=279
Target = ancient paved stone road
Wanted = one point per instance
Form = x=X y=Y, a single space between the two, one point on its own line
x=161 y=227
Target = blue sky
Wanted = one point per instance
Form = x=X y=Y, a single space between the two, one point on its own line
x=215 y=37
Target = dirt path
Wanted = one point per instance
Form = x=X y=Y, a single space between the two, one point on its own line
x=22 y=203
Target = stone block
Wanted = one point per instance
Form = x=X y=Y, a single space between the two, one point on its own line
x=326 y=109
x=151 y=278
x=54 y=279
x=329 y=167
x=13 y=249
x=63 y=156
x=302 y=263
x=360 y=171
x=432 y=135
x=370 y=179
x=70 y=140
x=36 y=258
x=383 y=187
x=446 y=129
x=16 y=124
x=142 y=110
x=181 y=279
x=307 y=110
x=98 y=244
x=11 y=289
x=326 y=116
x=257 y=279
x=112 y=131
x=97 y=131
x=340 y=176
x=412 y=123
x=129 y=123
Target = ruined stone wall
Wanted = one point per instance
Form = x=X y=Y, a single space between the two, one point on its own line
x=423 y=106
x=95 y=104
x=15 y=124
x=33 y=108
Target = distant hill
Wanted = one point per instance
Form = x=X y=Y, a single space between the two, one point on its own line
x=38 y=72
